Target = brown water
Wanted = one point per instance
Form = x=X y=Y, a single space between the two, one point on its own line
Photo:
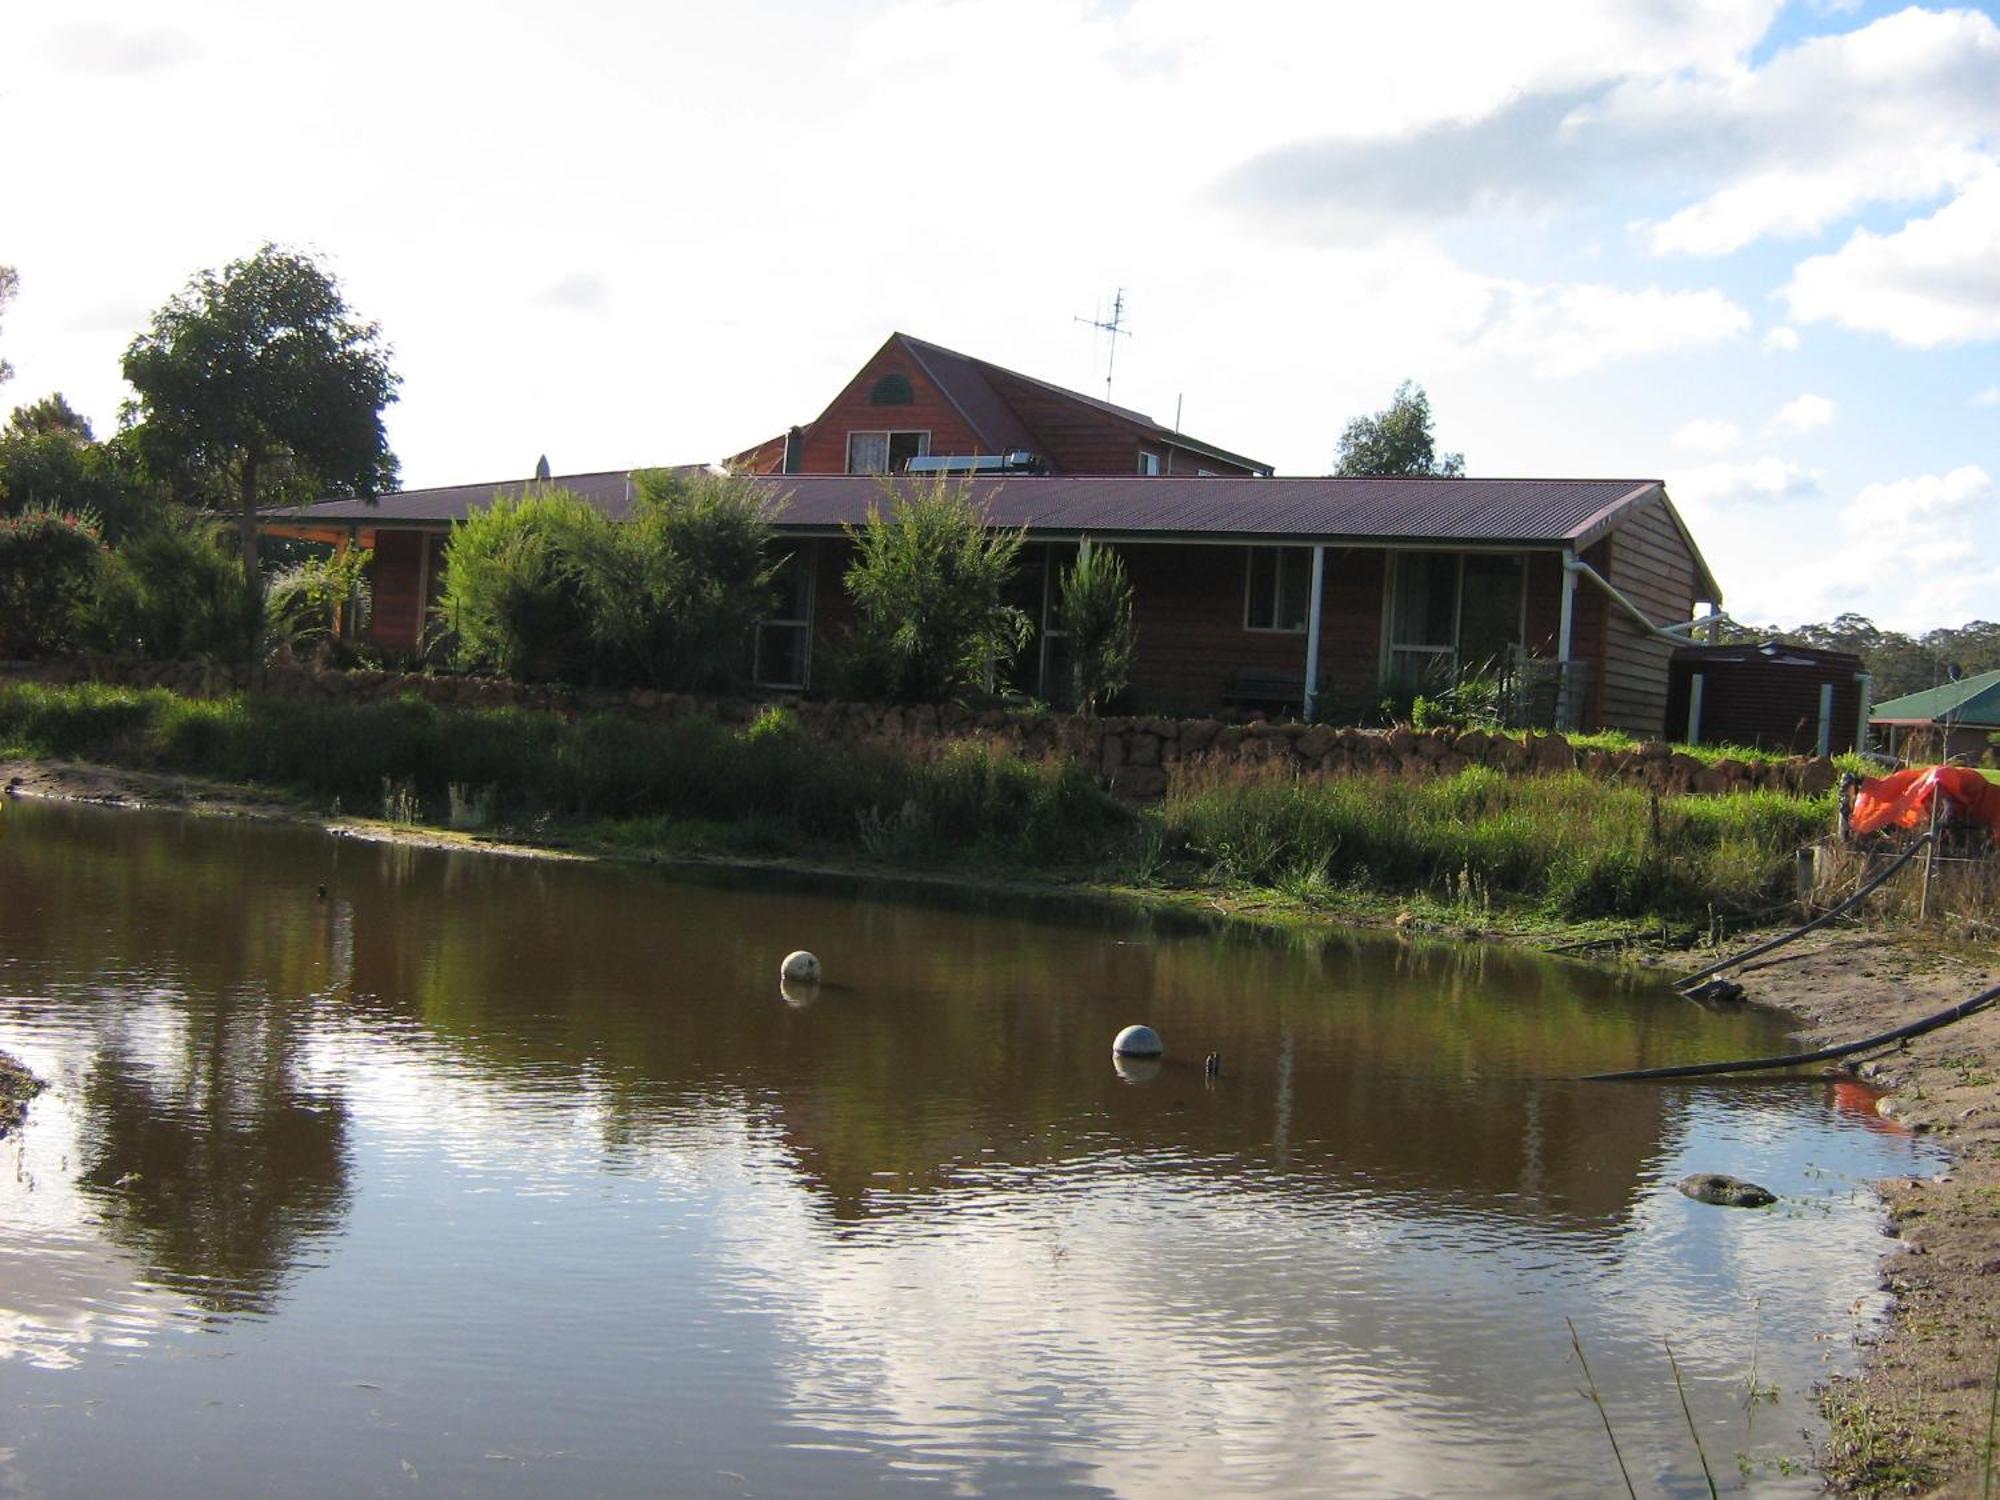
x=490 y=1177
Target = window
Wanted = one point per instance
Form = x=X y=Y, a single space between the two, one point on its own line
x=892 y=390
x=1277 y=581
x=1452 y=612
x=784 y=636
x=1149 y=462
x=884 y=452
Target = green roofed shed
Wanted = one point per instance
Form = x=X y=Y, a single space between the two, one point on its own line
x=1966 y=711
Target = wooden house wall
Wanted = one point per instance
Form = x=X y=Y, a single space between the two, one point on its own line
x=1188 y=602
x=824 y=450
x=1649 y=564
x=396 y=582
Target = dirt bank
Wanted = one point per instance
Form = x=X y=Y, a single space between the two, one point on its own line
x=1915 y=1422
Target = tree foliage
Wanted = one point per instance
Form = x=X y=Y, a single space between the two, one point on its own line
x=928 y=582
x=1094 y=609
x=48 y=560
x=257 y=384
x=49 y=460
x=175 y=591
x=545 y=586
x=1900 y=663
x=1397 y=441
x=10 y=283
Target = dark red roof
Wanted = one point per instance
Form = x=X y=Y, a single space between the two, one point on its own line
x=1533 y=511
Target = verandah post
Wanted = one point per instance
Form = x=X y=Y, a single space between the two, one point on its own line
x=1312 y=634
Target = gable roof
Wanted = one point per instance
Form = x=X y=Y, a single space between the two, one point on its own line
x=1326 y=510
x=1971 y=701
x=967 y=382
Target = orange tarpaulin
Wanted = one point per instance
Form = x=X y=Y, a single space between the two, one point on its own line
x=1903 y=800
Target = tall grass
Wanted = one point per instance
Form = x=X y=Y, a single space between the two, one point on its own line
x=1580 y=847
x=781 y=785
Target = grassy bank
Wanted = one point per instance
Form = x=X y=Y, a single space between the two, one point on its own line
x=1479 y=845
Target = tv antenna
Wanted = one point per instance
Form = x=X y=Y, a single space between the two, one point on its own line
x=1114 y=326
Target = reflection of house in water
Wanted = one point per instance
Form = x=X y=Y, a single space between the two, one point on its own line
x=963 y=1046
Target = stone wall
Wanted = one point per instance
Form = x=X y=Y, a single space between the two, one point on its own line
x=1130 y=756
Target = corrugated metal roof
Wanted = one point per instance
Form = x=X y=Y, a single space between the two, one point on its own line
x=958 y=376
x=1971 y=701
x=1533 y=511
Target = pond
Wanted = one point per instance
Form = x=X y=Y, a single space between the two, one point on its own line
x=378 y=1170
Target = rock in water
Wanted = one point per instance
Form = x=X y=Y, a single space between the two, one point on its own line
x=1725 y=1191
x=1138 y=1041
x=800 y=967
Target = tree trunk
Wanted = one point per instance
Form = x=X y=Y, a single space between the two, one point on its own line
x=246 y=523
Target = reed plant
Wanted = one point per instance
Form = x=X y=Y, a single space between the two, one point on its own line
x=965 y=801
x=1574 y=845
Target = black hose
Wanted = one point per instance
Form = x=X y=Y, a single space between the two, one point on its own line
x=1957 y=1012
x=1817 y=922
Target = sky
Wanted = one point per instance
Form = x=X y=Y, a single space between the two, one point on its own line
x=1749 y=248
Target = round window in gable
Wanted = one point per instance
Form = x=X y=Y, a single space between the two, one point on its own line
x=892 y=390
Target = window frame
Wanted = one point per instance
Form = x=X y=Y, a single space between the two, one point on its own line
x=1391 y=589
x=888 y=436
x=1276 y=551
x=1149 y=464
x=806 y=556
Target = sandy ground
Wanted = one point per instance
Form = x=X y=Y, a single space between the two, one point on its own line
x=1919 y=1419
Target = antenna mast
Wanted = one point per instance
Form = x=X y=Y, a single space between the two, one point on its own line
x=1115 y=327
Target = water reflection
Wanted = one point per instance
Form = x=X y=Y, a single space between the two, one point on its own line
x=915 y=1230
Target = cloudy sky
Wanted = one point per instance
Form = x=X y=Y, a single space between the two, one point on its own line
x=1752 y=248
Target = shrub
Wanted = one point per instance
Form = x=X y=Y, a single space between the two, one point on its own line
x=175 y=592
x=48 y=560
x=514 y=595
x=302 y=601
x=929 y=581
x=1095 y=612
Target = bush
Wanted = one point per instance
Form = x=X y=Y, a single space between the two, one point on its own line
x=48 y=560
x=929 y=584
x=1095 y=611
x=513 y=588
x=175 y=592
x=302 y=601
x=546 y=587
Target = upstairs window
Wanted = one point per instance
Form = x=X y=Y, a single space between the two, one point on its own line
x=1149 y=462
x=892 y=390
x=1277 y=581
x=884 y=452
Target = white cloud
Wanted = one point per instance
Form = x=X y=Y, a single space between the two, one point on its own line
x=579 y=291
x=1933 y=282
x=1988 y=397
x=1878 y=508
x=118 y=52
x=1708 y=435
x=1762 y=479
x=1802 y=414
x=1781 y=340
x=1918 y=104
x=1569 y=329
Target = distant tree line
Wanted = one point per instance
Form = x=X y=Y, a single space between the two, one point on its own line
x=1897 y=663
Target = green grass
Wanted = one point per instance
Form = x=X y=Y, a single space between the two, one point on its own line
x=1549 y=848
x=1576 y=847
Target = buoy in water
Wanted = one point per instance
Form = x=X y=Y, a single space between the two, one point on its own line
x=1138 y=1041
x=799 y=967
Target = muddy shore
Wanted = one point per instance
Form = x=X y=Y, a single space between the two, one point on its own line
x=1917 y=1420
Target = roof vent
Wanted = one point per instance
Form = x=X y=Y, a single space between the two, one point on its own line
x=892 y=390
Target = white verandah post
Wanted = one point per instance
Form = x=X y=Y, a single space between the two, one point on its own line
x=1565 y=689
x=1312 y=633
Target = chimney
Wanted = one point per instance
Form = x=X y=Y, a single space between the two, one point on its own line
x=795 y=440
x=542 y=468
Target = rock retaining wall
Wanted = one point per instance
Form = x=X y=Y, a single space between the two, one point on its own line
x=1131 y=756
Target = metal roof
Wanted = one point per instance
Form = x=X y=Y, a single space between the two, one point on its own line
x=1542 y=512
x=1973 y=702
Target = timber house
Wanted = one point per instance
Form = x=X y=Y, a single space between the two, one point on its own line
x=1309 y=595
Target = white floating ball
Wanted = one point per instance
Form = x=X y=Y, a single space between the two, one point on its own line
x=1138 y=1041
x=800 y=967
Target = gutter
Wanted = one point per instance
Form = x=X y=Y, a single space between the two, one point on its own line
x=1674 y=633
